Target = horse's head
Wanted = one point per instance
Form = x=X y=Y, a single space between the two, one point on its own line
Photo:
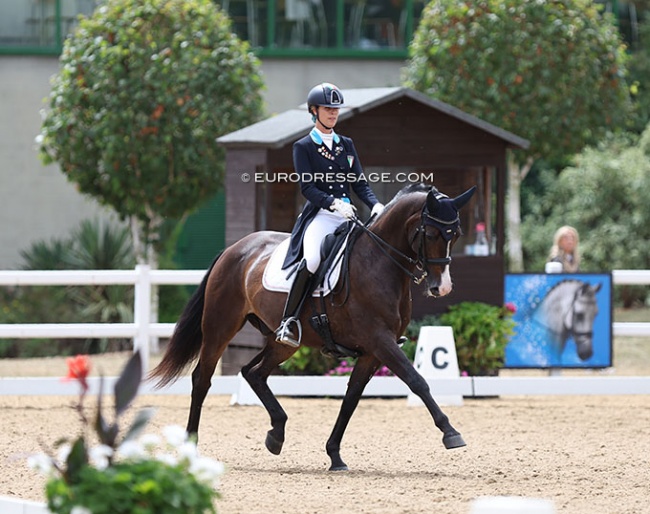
x=436 y=231
x=579 y=320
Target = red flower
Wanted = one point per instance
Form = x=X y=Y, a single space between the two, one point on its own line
x=511 y=307
x=78 y=369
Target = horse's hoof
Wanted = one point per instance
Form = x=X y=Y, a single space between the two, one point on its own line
x=273 y=445
x=338 y=467
x=453 y=441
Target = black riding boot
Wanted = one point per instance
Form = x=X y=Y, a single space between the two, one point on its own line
x=300 y=289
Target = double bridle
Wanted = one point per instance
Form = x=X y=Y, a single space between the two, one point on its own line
x=447 y=228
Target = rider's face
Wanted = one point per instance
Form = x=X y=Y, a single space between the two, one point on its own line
x=326 y=117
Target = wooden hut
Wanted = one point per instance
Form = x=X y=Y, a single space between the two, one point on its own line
x=400 y=135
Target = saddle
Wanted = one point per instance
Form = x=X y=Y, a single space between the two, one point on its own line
x=332 y=256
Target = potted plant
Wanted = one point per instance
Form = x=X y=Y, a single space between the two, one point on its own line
x=481 y=333
x=126 y=473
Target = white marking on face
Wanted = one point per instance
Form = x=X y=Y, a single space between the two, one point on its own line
x=445 y=278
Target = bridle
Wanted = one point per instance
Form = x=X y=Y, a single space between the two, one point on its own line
x=447 y=228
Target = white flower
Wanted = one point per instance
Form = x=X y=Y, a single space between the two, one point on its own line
x=80 y=510
x=207 y=470
x=175 y=435
x=99 y=456
x=64 y=451
x=150 y=441
x=187 y=450
x=132 y=450
x=167 y=458
x=41 y=463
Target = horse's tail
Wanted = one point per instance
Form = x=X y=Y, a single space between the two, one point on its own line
x=186 y=340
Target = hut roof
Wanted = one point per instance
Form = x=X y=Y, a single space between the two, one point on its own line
x=284 y=128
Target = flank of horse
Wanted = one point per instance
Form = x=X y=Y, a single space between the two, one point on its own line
x=412 y=233
x=568 y=311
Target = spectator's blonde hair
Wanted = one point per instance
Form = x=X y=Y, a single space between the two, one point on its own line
x=557 y=253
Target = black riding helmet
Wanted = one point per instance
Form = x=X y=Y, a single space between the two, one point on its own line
x=324 y=95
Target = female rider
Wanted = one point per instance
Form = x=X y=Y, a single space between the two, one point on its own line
x=329 y=168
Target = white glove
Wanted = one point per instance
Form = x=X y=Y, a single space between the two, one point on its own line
x=345 y=209
x=377 y=209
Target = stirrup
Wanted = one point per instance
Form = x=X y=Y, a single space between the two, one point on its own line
x=285 y=336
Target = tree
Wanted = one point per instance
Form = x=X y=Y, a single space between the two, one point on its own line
x=605 y=196
x=549 y=71
x=144 y=88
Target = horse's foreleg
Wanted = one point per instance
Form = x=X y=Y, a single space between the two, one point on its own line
x=395 y=359
x=256 y=374
x=362 y=373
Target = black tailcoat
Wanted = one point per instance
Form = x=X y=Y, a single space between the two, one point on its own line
x=324 y=176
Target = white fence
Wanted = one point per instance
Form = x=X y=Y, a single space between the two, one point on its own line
x=142 y=330
x=142 y=278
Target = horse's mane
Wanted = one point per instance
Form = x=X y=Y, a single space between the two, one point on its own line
x=418 y=187
x=562 y=283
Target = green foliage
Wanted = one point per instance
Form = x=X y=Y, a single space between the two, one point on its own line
x=605 y=196
x=481 y=333
x=413 y=332
x=144 y=88
x=551 y=72
x=307 y=361
x=92 y=246
x=639 y=81
x=123 y=476
x=145 y=487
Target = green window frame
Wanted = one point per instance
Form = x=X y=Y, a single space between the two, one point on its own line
x=275 y=28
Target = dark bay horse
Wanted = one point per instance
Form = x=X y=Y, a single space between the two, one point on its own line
x=415 y=232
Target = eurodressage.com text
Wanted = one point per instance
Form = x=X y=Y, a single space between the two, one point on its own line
x=371 y=177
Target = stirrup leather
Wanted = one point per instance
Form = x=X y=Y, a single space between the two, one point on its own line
x=284 y=335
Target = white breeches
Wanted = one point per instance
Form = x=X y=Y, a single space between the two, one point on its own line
x=325 y=222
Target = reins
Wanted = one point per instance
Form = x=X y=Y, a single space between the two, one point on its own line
x=382 y=245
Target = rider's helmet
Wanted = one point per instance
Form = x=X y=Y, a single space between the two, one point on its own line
x=325 y=95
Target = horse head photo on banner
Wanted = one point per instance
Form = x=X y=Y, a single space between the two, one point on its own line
x=564 y=320
x=568 y=311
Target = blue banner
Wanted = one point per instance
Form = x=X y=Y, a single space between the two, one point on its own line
x=562 y=320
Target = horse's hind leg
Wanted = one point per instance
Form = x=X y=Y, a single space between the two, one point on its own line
x=256 y=374
x=363 y=371
x=395 y=359
x=216 y=336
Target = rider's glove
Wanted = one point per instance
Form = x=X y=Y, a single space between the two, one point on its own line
x=345 y=209
x=377 y=209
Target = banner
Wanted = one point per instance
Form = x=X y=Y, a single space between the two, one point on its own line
x=562 y=320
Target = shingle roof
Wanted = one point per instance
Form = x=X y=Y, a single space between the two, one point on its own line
x=284 y=128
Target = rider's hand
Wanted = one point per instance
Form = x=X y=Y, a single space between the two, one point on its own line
x=377 y=209
x=345 y=209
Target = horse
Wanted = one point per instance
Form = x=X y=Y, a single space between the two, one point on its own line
x=568 y=311
x=416 y=231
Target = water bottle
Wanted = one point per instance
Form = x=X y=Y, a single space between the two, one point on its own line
x=481 y=247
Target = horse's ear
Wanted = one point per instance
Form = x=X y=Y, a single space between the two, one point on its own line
x=460 y=201
x=597 y=287
x=432 y=201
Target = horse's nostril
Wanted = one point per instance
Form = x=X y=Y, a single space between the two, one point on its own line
x=435 y=291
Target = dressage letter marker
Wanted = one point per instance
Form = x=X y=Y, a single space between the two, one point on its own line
x=435 y=357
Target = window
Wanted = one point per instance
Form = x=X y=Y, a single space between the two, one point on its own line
x=39 y=26
x=300 y=28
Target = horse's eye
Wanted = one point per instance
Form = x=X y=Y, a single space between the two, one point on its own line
x=580 y=316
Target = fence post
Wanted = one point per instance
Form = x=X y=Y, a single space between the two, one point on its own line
x=142 y=312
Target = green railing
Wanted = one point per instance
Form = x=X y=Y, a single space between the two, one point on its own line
x=275 y=28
